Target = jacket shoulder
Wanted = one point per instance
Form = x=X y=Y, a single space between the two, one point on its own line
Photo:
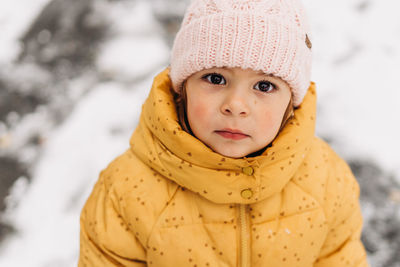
x=341 y=206
x=138 y=191
x=342 y=189
x=326 y=176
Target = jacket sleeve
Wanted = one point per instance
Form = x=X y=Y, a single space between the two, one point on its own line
x=342 y=246
x=105 y=238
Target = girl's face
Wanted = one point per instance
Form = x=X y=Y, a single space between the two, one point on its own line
x=235 y=112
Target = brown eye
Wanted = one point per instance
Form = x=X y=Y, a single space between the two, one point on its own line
x=215 y=78
x=265 y=86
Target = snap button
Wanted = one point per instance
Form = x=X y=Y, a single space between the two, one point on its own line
x=246 y=193
x=248 y=170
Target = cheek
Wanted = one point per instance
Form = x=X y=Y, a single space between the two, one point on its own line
x=199 y=110
x=269 y=122
x=198 y=114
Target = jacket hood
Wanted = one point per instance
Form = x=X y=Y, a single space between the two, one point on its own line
x=161 y=143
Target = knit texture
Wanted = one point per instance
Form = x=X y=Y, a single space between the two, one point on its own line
x=264 y=35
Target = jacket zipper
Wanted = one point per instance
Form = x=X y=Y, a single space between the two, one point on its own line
x=244 y=236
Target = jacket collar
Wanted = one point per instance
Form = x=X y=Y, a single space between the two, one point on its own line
x=160 y=143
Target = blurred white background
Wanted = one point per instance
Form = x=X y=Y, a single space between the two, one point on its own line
x=73 y=77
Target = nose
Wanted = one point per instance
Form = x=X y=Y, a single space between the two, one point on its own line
x=235 y=104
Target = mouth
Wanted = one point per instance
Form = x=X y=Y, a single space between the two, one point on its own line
x=232 y=134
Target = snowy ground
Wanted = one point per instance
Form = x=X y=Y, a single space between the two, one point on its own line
x=83 y=120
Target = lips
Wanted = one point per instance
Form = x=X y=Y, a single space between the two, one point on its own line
x=232 y=134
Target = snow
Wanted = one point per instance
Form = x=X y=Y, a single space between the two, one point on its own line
x=93 y=134
x=356 y=63
x=136 y=47
x=120 y=55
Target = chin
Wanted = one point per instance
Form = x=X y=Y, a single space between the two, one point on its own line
x=231 y=153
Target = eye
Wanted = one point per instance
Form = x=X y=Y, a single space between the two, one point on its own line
x=214 y=78
x=265 y=86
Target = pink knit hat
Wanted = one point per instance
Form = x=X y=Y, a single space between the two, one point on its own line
x=265 y=35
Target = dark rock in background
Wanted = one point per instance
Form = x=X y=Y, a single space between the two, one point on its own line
x=16 y=101
x=10 y=169
x=64 y=37
x=5 y=230
x=380 y=195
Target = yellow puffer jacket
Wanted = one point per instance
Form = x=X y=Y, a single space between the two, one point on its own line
x=171 y=201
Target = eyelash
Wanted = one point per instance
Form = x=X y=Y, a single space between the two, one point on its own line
x=205 y=77
x=208 y=75
x=272 y=85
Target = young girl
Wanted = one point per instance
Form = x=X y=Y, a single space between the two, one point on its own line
x=224 y=168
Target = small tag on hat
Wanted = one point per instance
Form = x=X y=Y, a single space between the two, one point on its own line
x=308 y=42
